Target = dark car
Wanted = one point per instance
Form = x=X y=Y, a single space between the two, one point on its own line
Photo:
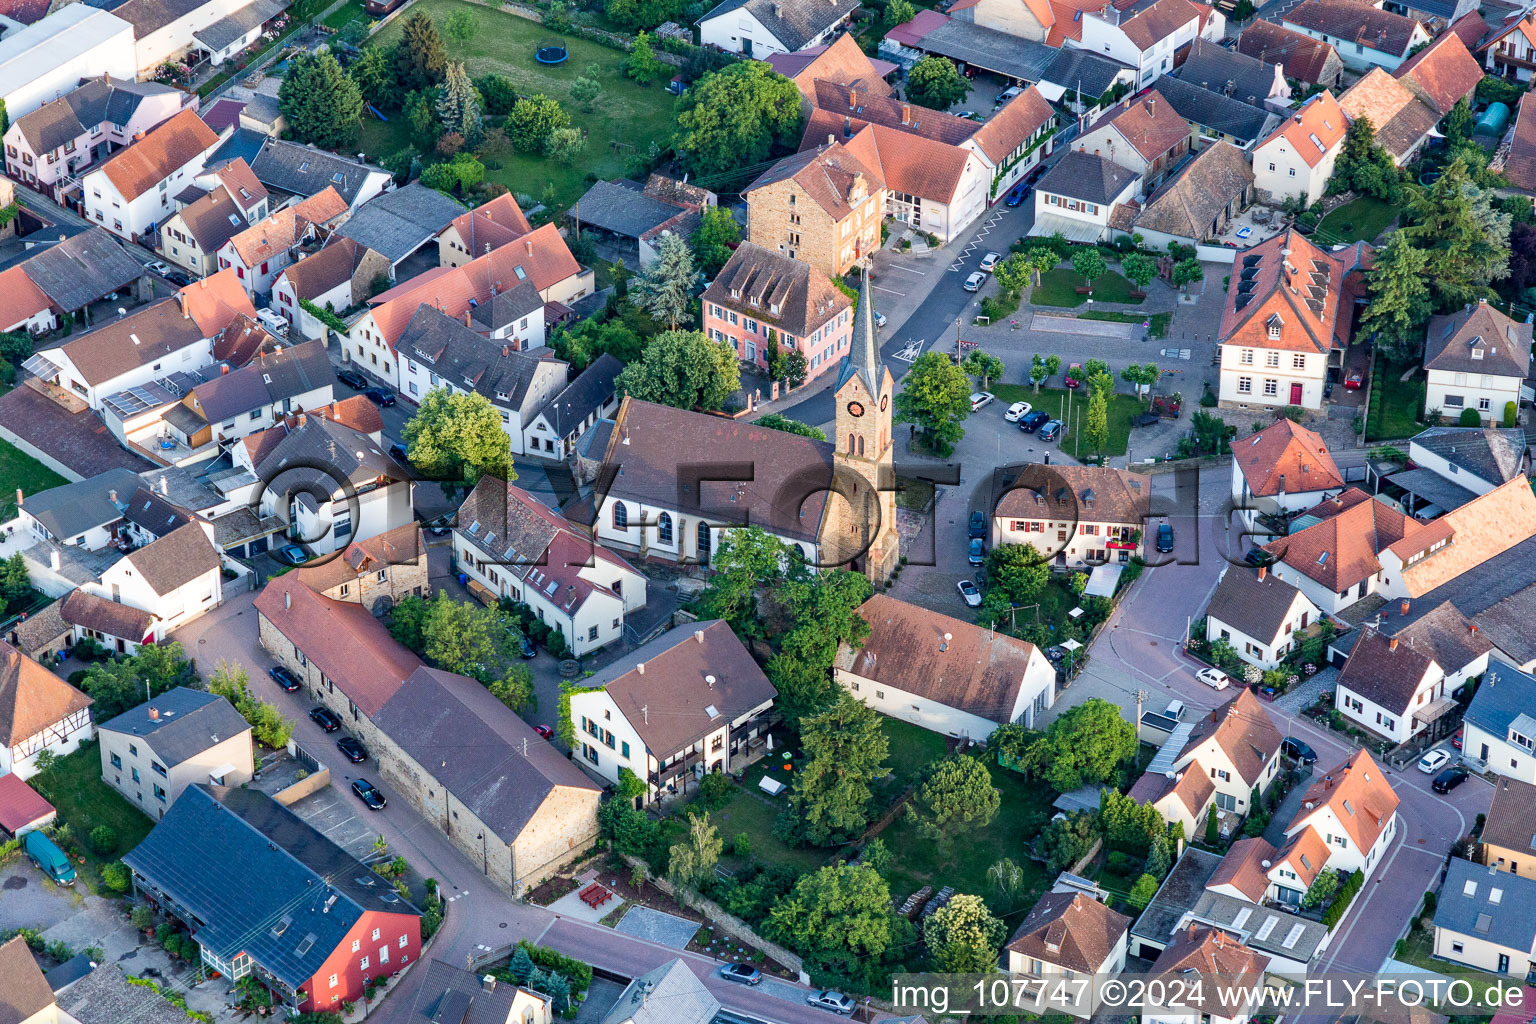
x=1016 y=196
x=744 y=973
x=379 y=396
x=177 y=278
x=1034 y=421
x=284 y=678
x=398 y=453
x=1146 y=419
x=1164 y=537
x=324 y=719
x=978 y=525
x=352 y=750
x=369 y=794
x=352 y=379
x=1051 y=431
x=1296 y=750
x=978 y=551
x=1449 y=780
x=1257 y=557
x=527 y=650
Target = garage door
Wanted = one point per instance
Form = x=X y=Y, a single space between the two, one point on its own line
x=258 y=546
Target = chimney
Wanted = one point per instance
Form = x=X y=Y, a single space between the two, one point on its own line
x=1263 y=571
x=1392 y=644
x=709 y=681
x=906 y=113
x=1151 y=107
x=303 y=419
x=853 y=97
x=154 y=714
x=640 y=668
x=223 y=369
x=466 y=318
x=831 y=138
x=1472 y=626
x=53 y=560
x=506 y=350
x=528 y=243
x=287 y=600
x=698 y=635
x=1404 y=607
x=1282 y=484
x=1192 y=931
x=181 y=300
x=21 y=499
x=112 y=495
x=489 y=983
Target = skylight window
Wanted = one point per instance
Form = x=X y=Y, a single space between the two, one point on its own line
x=712 y=711
x=1322 y=559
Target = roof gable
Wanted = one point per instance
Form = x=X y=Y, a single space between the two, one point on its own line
x=160 y=153
x=1286 y=458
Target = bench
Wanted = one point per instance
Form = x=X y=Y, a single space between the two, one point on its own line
x=595 y=895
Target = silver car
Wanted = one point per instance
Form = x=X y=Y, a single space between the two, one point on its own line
x=974 y=282
x=831 y=1000
x=989 y=261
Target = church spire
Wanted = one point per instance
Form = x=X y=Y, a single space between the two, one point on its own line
x=863 y=356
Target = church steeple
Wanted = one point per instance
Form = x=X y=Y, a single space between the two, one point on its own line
x=863 y=356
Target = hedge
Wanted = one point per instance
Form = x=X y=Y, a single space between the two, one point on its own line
x=578 y=973
x=1341 y=902
x=325 y=316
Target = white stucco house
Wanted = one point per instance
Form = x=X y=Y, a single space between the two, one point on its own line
x=1258 y=614
x=1353 y=809
x=152 y=753
x=1283 y=468
x=1297 y=158
x=1147 y=36
x=1077 y=196
x=1500 y=724
x=47 y=59
x=760 y=28
x=1476 y=359
x=134 y=190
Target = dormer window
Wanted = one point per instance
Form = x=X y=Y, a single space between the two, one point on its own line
x=1477 y=353
x=1274 y=325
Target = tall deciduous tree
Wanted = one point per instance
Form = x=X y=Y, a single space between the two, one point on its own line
x=682 y=369
x=841 y=907
x=935 y=398
x=1363 y=166
x=694 y=859
x=534 y=119
x=963 y=936
x=1096 y=420
x=1142 y=376
x=716 y=236
x=665 y=289
x=1088 y=262
x=585 y=92
x=1012 y=273
x=1042 y=260
x=934 y=82
x=321 y=103
x=984 y=366
x=1139 y=269
x=958 y=795
x=458 y=437
x=1016 y=574
x=642 y=65
x=899 y=12
x=731 y=118
x=1084 y=746
x=1399 y=301
x=420 y=56
x=458 y=108
x=843 y=752
x=1186 y=272
x=1464 y=233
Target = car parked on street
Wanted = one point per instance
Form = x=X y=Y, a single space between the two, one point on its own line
x=369 y=794
x=1164 y=537
x=969 y=593
x=981 y=399
x=1296 y=750
x=974 y=282
x=1016 y=194
x=544 y=731
x=880 y=320
x=1016 y=412
x=1215 y=678
x=352 y=750
x=977 y=554
x=976 y=526
x=352 y=379
x=745 y=974
x=284 y=678
x=157 y=267
x=829 y=999
x=989 y=261
x=177 y=278
x=1051 y=431
x=379 y=396
x=1034 y=421
x=1433 y=761
x=325 y=719
x=1449 y=780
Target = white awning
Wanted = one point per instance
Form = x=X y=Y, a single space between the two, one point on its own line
x=1074 y=230
x=1103 y=580
x=219 y=774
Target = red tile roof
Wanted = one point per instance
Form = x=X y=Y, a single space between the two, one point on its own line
x=1342 y=550
x=1148 y=122
x=1302 y=294
x=1286 y=456
x=20 y=804
x=20 y=299
x=167 y=147
x=1305 y=58
x=1243 y=868
x=32 y=698
x=1320 y=117
x=1442 y=73
x=1360 y=796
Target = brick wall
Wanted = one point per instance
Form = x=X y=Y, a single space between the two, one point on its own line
x=820 y=239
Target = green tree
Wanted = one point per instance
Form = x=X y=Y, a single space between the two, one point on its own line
x=1041 y=261
x=732 y=117
x=1088 y=262
x=693 y=859
x=1464 y=233
x=1139 y=269
x=321 y=103
x=823 y=611
x=1016 y=574
x=116 y=876
x=963 y=937
x=465 y=638
x=457 y=437
x=521 y=965
x=841 y=907
x=1085 y=745
x=374 y=75
x=642 y=65
x=842 y=752
x=682 y=369
x=420 y=55
x=934 y=82
x=899 y=12
x=566 y=144
x=120 y=685
x=666 y=288
x=1037 y=372
x=533 y=120
x=1159 y=856
x=1459 y=122
x=983 y=365
x=460 y=25
x=1186 y=272
x=5 y=118
x=1066 y=841
x=1096 y=421
x=776 y=421
x=1322 y=890
x=1012 y=273
x=1142 y=376
x=935 y=398
x=422 y=115
x=747 y=559
x=717 y=234
x=1143 y=891
x=1365 y=167
x=499 y=94
x=458 y=107
x=15 y=579
x=641 y=14
x=1398 y=301
x=585 y=93
x=1007 y=878
x=957 y=796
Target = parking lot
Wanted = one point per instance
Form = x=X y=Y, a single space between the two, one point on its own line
x=342 y=818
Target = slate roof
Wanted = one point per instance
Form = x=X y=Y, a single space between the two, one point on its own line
x=1356 y=22
x=791 y=295
x=1305 y=59
x=1288 y=457
x=1451 y=342
x=991 y=49
x=669 y=994
x=1500 y=599
x=1070 y=930
x=589 y=391
x=678 y=666
x=458 y=353
x=1088 y=493
x=213 y=833
x=979 y=672
x=304 y=170
x=1442 y=73
x=1489 y=905
x=243 y=143
x=1384 y=675
x=1188 y=204
x=25 y=992
x=398 y=223
x=82 y=268
x=97 y=101
x=1096 y=72
x=792 y=22
x=176 y=559
x=1228 y=115
x=1252 y=605
x=1214 y=67
x=1504 y=695
x=1493 y=454
x=232 y=26
x=452 y=995
x=623 y=209
x=190 y=721
x=32 y=698
x=266 y=380
x=1511 y=821
x=477 y=748
x=71 y=509
x=1083 y=176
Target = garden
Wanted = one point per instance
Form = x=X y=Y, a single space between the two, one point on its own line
x=20 y=471
x=1397 y=405
x=97 y=824
x=1359 y=220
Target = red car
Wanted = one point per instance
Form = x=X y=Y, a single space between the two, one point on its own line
x=1456 y=740
x=1354 y=382
x=545 y=731
x=1075 y=375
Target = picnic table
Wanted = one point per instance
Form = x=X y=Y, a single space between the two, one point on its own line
x=595 y=895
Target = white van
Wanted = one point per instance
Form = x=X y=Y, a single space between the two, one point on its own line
x=273 y=321
x=1175 y=710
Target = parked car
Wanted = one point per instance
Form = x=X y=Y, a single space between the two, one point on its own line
x=293 y=553
x=352 y=750
x=746 y=974
x=989 y=261
x=1034 y=421
x=1164 y=537
x=379 y=396
x=1008 y=94
x=879 y=319
x=398 y=453
x=1074 y=377
x=1215 y=678
x=1016 y=412
x=284 y=678
x=971 y=115
x=1433 y=761
x=977 y=555
x=1174 y=710
x=325 y=719
x=1449 y=780
x=50 y=860
x=977 y=526
x=831 y=1000
x=1456 y=740
x=981 y=399
x=1016 y=194
x=1354 y=382
x=974 y=282
x=369 y=794
x=527 y=650
x=545 y=731
x=352 y=379
x=177 y=278
x=1296 y=750
x=1051 y=431
x=157 y=267
x=969 y=593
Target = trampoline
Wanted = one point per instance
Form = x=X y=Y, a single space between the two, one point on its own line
x=552 y=51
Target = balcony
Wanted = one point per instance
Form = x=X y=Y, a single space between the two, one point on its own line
x=759 y=722
x=676 y=768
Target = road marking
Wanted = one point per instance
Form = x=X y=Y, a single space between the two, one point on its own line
x=891 y=291
x=919 y=273
x=910 y=353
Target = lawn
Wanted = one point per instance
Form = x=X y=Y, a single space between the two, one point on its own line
x=18 y=469
x=74 y=786
x=753 y=812
x=349 y=11
x=913 y=495
x=1359 y=220
x=1123 y=409
x=1396 y=405
x=1059 y=288
x=626 y=114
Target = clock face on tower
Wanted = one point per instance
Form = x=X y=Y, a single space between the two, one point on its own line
x=885 y=400
x=855 y=408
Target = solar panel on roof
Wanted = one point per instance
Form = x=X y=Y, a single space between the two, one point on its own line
x=1293 y=936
